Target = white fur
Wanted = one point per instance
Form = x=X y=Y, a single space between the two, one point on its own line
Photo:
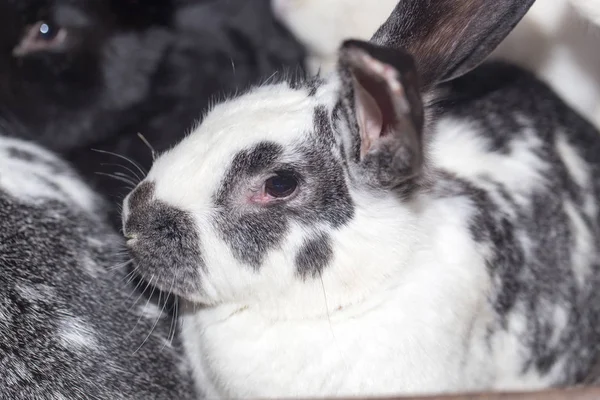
x=559 y=44
x=77 y=334
x=366 y=326
x=36 y=182
x=462 y=149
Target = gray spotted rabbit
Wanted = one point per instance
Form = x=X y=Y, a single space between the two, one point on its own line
x=70 y=325
x=410 y=224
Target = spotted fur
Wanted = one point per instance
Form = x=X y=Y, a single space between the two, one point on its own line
x=70 y=327
x=442 y=237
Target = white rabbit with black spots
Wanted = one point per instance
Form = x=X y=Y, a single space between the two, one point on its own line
x=407 y=225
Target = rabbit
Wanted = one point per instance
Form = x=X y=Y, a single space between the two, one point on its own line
x=70 y=325
x=552 y=40
x=417 y=222
x=90 y=75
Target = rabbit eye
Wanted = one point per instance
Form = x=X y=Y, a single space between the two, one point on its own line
x=281 y=186
x=47 y=31
x=41 y=36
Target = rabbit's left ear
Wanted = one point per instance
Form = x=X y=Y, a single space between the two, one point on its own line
x=448 y=38
x=380 y=88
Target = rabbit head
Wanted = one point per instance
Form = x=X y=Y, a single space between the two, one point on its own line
x=69 y=66
x=293 y=187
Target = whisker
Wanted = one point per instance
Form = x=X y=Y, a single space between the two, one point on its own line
x=137 y=287
x=119 y=178
x=124 y=175
x=147 y=143
x=172 y=326
x=329 y=320
x=124 y=167
x=141 y=294
x=145 y=307
x=160 y=315
x=119 y=265
x=174 y=323
x=130 y=276
x=136 y=165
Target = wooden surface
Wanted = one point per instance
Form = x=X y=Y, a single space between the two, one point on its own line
x=570 y=394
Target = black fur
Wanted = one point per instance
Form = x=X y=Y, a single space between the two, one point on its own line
x=449 y=38
x=314 y=255
x=132 y=66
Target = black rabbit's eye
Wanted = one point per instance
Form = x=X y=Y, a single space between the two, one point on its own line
x=41 y=36
x=47 y=31
x=281 y=186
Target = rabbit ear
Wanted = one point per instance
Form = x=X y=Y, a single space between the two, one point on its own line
x=448 y=38
x=382 y=87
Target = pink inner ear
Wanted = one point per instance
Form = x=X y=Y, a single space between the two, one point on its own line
x=369 y=116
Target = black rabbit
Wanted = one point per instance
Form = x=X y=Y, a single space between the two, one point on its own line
x=90 y=74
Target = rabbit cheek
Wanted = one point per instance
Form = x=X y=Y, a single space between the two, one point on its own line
x=163 y=242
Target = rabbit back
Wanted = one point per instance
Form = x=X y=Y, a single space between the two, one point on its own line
x=70 y=326
x=528 y=164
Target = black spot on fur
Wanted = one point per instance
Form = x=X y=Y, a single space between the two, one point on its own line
x=314 y=255
x=322 y=194
x=323 y=131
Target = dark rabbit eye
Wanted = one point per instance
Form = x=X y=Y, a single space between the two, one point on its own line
x=47 y=31
x=281 y=185
x=41 y=36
